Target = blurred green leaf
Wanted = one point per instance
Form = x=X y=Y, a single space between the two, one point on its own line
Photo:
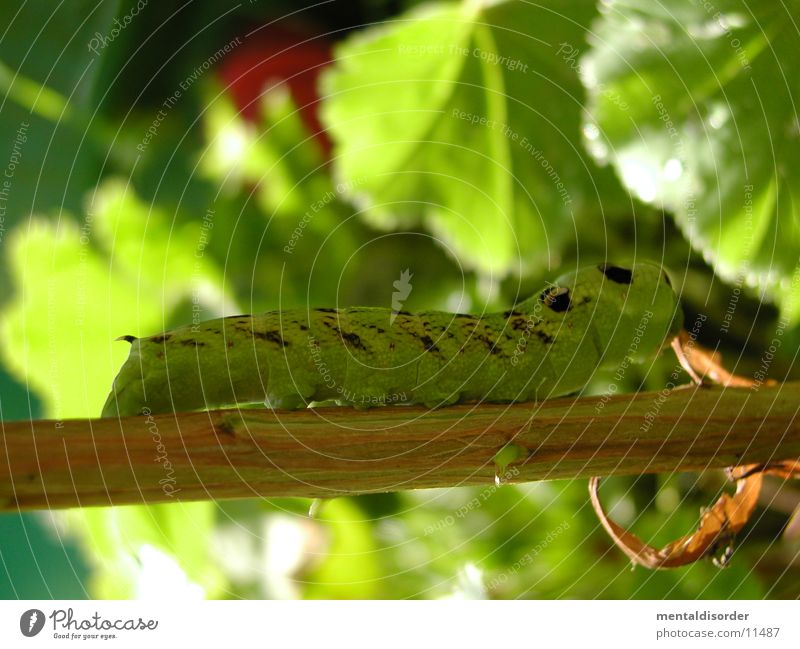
x=160 y=551
x=351 y=568
x=695 y=104
x=77 y=288
x=452 y=115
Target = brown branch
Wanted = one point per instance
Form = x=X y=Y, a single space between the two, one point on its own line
x=335 y=451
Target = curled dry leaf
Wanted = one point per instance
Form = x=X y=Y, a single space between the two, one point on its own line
x=700 y=363
x=713 y=537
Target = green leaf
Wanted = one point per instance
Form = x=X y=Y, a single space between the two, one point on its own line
x=77 y=288
x=453 y=115
x=351 y=567
x=146 y=552
x=695 y=105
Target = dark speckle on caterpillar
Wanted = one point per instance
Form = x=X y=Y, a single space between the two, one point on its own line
x=547 y=346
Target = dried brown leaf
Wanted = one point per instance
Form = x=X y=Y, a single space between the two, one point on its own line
x=713 y=536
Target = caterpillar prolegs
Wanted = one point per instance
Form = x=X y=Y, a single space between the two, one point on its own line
x=546 y=346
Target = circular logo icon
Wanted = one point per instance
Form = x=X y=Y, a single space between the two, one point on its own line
x=31 y=622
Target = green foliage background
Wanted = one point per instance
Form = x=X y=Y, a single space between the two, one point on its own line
x=482 y=145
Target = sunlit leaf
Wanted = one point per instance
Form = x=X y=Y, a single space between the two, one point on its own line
x=350 y=568
x=453 y=115
x=695 y=104
x=131 y=549
x=79 y=287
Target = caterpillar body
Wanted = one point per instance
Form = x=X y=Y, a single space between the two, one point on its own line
x=546 y=346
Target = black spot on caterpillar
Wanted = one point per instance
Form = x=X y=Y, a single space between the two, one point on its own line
x=546 y=346
x=557 y=299
x=619 y=275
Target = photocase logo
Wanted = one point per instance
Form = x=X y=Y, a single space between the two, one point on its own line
x=403 y=286
x=31 y=622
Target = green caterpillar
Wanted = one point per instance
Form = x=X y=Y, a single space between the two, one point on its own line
x=547 y=346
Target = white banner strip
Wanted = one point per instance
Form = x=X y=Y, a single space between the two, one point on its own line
x=401 y=624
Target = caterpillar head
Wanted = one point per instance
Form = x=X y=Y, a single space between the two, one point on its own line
x=632 y=307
